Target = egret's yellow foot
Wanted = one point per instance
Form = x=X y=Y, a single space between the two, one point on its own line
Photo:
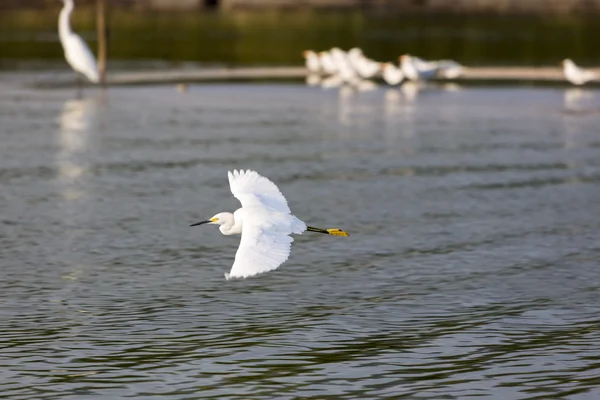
x=330 y=231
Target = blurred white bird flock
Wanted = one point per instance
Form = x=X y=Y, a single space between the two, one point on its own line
x=265 y=222
x=337 y=67
x=576 y=75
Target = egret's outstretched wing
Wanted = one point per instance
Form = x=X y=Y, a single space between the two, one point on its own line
x=253 y=190
x=265 y=243
x=267 y=224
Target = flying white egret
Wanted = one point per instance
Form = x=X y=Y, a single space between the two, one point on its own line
x=265 y=222
x=576 y=75
x=78 y=55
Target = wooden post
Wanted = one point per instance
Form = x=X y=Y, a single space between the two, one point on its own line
x=102 y=39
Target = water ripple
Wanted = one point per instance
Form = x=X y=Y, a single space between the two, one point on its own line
x=470 y=272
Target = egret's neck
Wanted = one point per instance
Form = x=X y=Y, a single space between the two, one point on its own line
x=233 y=225
x=64 y=26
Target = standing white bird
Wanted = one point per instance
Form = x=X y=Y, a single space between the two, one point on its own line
x=327 y=63
x=449 y=69
x=78 y=55
x=265 y=222
x=354 y=54
x=342 y=64
x=391 y=74
x=368 y=68
x=365 y=67
x=576 y=75
x=312 y=62
x=415 y=68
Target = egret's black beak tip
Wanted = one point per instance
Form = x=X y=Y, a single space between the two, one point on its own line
x=201 y=223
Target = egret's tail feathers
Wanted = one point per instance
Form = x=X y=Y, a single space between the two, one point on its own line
x=337 y=232
x=330 y=231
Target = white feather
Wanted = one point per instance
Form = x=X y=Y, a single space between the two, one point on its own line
x=415 y=68
x=392 y=75
x=252 y=189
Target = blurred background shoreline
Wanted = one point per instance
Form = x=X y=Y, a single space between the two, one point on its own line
x=144 y=33
x=411 y=6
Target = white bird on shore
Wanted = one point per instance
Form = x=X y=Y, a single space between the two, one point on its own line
x=265 y=222
x=368 y=68
x=77 y=54
x=342 y=64
x=345 y=70
x=312 y=62
x=327 y=63
x=391 y=74
x=448 y=69
x=355 y=54
x=364 y=66
x=576 y=75
x=415 y=69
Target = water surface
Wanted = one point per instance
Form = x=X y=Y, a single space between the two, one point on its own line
x=471 y=269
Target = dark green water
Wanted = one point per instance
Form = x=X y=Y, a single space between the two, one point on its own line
x=277 y=38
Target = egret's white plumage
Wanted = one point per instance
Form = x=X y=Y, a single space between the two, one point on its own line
x=77 y=54
x=265 y=222
x=355 y=55
x=576 y=75
x=415 y=68
x=327 y=63
x=368 y=68
x=449 y=69
x=343 y=66
x=391 y=74
x=312 y=62
x=364 y=66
